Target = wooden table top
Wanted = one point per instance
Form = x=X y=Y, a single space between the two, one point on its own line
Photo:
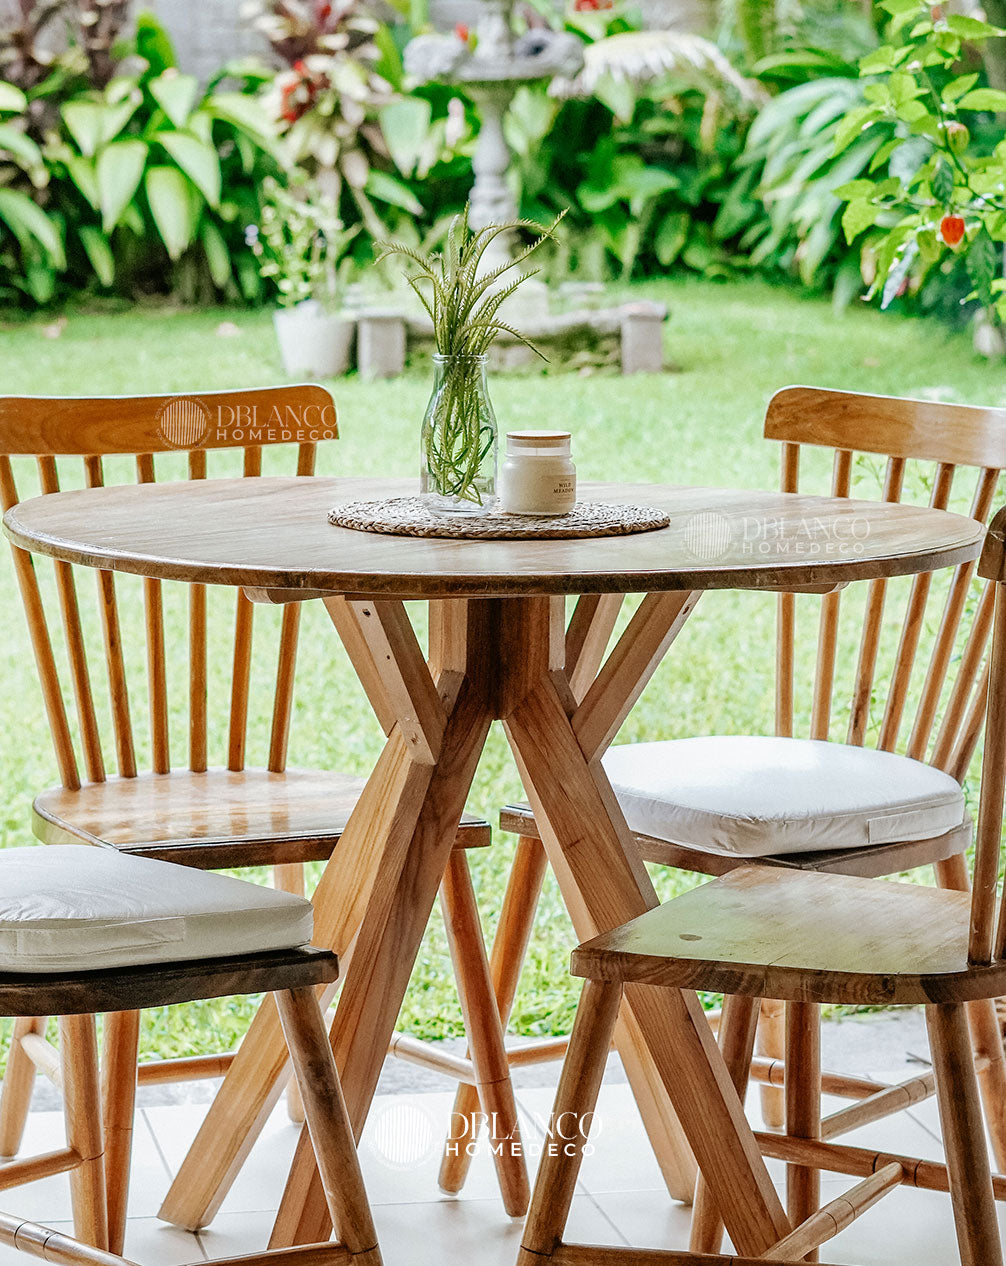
x=273 y=534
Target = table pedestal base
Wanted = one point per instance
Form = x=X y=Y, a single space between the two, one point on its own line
x=489 y=659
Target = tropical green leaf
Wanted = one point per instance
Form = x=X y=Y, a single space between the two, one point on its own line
x=387 y=188
x=154 y=44
x=82 y=173
x=39 y=276
x=19 y=146
x=118 y=171
x=94 y=123
x=242 y=112
x=982 y=260
x=972 y=28
x=405 y=124
x=860 y=214
x=956 y=88
x=197 y=160
x=855 y=189
x=99 y=252
x=176 y=94
x=12 y=99
x=942 y=183
x=218 y=258
x=28 y=222
x=170 y=197
x=854 y=124
x=983 y=99
x=83 y=121
x=671 y=237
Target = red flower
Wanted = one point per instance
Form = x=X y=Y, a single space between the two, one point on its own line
x=462 y=32
x=324 y=12
x=288 y=108
x=298 y=96
x=952 y=229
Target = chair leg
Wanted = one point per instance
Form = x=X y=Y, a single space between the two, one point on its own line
x=118 y=1097
x=289 y=877
x=18 y=1085
x=986 y=1035
x=575 y=1100
x=506 y=959
x=803 y=1107
x=737 y=1038
x=964 y=1136
x=485 y=1032
x=328 y=1123
x=772 y=1043
x=78 y=1051
x=987 y=1044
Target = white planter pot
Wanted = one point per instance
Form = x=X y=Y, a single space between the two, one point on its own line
x=989 y=340
x=313 y=341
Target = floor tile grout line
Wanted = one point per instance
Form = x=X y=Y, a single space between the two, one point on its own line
x=933 y=1134
x=610 y=1221
x=157 y=1144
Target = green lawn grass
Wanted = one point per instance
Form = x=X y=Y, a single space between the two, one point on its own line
x=734 y=344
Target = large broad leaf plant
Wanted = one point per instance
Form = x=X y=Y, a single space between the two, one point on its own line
x=942 y=192
x=153 y=156
x=31 y=244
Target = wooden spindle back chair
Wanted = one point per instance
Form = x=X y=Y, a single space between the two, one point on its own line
x=143 y=429
x=809 y=939
x=206 y=808
x=913 y=678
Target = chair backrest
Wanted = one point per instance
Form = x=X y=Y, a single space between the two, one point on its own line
x=924 y=445
x=103 y=432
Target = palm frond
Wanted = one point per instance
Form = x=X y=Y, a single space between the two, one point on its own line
x=640 y=57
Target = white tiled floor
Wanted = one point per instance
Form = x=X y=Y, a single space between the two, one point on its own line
x=620 y=1199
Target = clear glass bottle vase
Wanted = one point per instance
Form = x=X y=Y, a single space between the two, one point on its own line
x=459 y=439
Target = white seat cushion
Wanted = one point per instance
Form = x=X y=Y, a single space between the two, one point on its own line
x=72 y=907
x=759 y=796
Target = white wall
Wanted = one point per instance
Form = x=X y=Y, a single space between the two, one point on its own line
x=206 y=33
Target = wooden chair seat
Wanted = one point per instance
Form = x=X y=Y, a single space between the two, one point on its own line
x=165 y=984
x=802 y=937
x=68 y=909
x=872 y=862
x=143 y=925
x=216 y=819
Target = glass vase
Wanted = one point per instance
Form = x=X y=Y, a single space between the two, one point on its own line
x=459 y=439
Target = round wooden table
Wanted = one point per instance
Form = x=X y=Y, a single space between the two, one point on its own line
x=500 y=648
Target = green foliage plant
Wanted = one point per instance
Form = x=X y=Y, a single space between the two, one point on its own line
x=153 y=157
x=301 y=245
x=944 y=194
x=31 y=241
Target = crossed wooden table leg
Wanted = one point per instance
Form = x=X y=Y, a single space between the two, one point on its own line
x=489 y=658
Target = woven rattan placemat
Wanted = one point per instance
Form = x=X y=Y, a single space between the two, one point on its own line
x=408 y=516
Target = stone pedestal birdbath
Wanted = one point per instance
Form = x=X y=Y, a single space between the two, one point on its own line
x=491 y=72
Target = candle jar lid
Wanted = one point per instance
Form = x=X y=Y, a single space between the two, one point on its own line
x=551 y=443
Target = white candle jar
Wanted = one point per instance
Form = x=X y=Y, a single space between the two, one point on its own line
x=538 y=475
